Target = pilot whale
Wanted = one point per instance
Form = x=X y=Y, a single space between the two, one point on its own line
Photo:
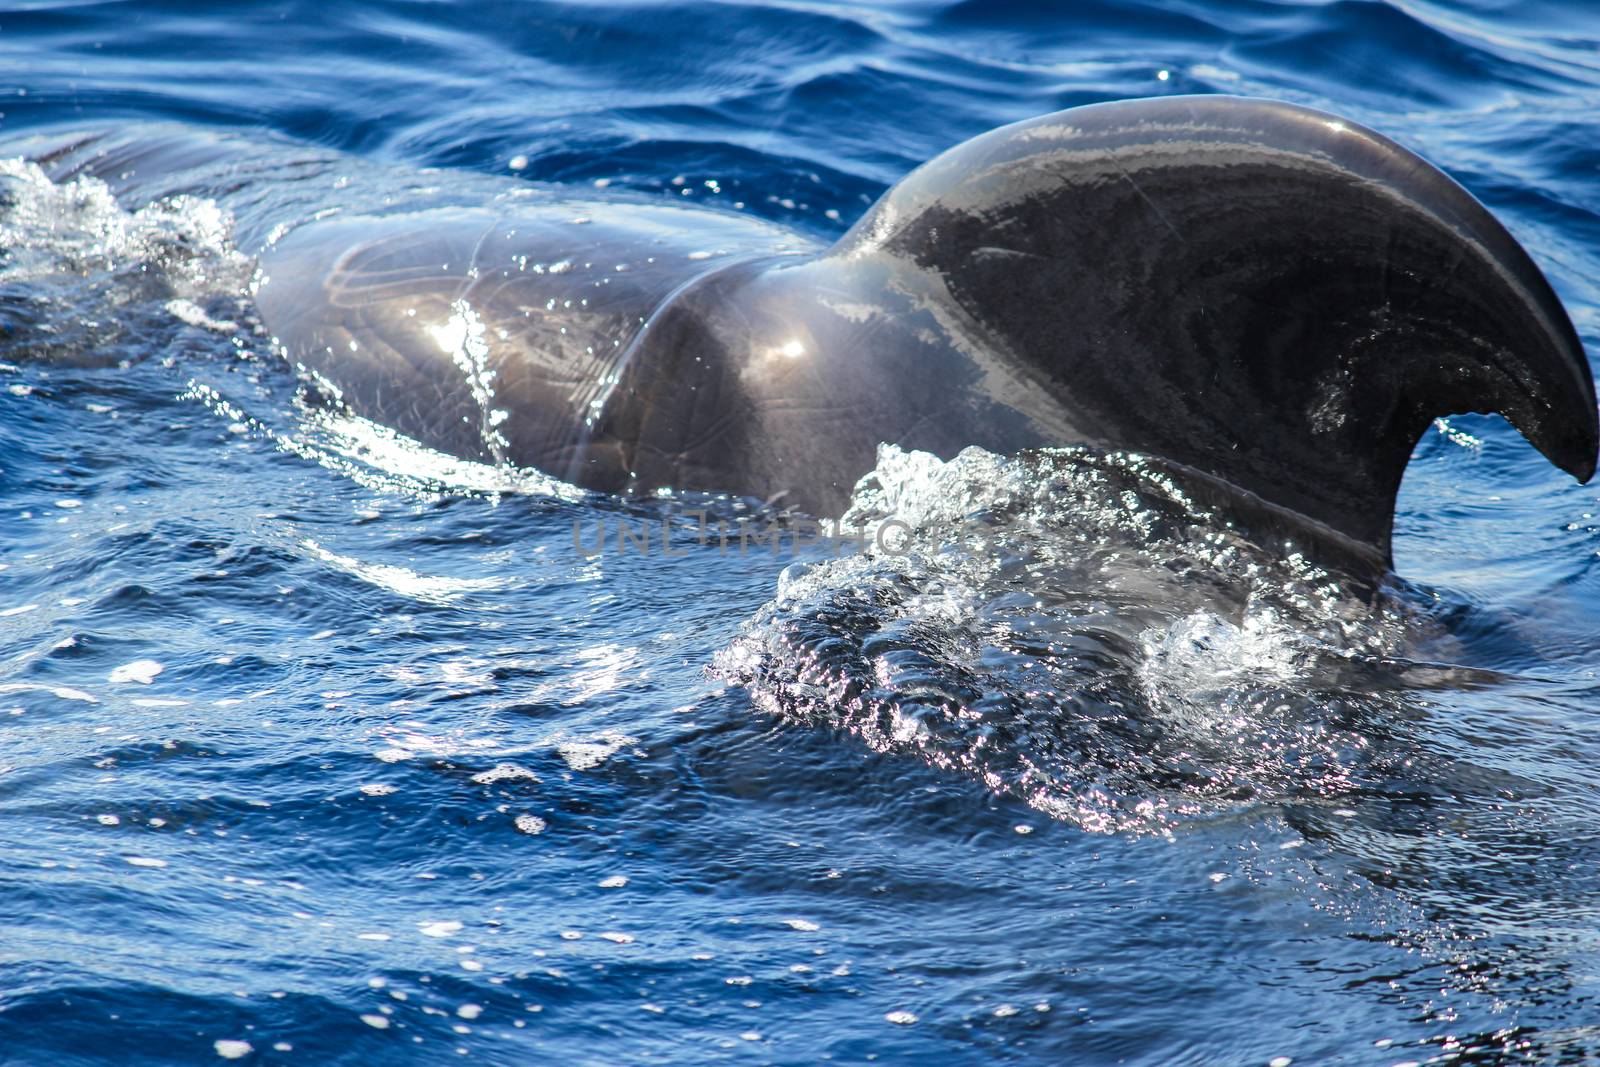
x=1272 y=300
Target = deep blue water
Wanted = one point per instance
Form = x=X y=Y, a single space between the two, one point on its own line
x=319 y=748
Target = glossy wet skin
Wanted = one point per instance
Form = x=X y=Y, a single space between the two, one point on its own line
x=1272 y=299
x=1260 y=292
x=432 y=322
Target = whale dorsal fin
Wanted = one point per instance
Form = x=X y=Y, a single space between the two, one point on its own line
x=1273 y=296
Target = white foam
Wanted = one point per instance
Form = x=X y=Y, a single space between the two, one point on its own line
x=505 y=772
x=142 y=671
x=585 y=754
x=1029 y=598
x=76 y=229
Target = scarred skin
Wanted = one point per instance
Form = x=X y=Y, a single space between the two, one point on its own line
x=1274 y=301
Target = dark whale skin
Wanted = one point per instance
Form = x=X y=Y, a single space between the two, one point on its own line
x=1271 y=299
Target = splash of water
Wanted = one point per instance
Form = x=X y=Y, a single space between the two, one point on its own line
x=1074 y=629
x=85 y=281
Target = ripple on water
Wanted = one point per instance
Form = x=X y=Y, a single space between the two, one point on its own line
x=1255 y=796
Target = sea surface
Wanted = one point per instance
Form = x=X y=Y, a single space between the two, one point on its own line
x=317 y=747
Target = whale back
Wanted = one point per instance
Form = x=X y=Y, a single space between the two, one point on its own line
x=1267 y=294
x=1273 y=299
x=498 y=335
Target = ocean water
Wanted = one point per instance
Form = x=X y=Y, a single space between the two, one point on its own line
x=317 y=747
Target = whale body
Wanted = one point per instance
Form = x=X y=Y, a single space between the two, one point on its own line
x=1272 y=300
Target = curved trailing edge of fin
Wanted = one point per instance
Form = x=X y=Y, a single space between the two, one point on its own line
x=1277 y=297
